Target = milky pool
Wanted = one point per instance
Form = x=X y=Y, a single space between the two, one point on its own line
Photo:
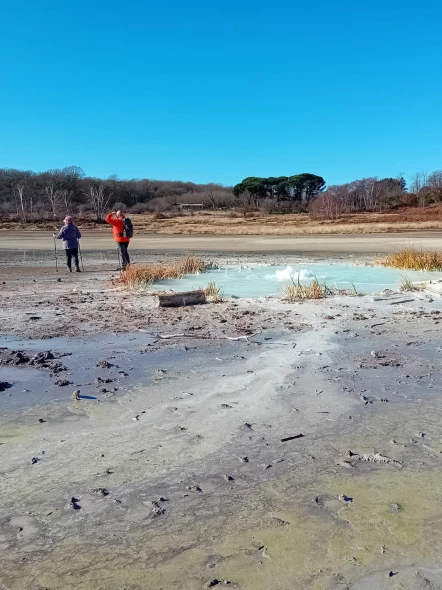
x=261 y=281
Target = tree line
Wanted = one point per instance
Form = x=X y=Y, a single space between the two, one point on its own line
x=27 y=195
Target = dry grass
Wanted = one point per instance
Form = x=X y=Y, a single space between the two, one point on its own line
x=213 y=292
x=413 y=259
x=140 y=275
x=295 y=290
x=223 y=224
x=232 y=223
x=407 y=285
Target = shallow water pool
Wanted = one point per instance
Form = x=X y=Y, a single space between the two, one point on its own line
x=261 y=281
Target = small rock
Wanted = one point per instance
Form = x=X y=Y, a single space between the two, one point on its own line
x=157 y=509
x=40 y=420
x=74 y=503
x=194 y=489
x=228 y=478
x=244 y=459
x=103 y=365
x=34 y=460
x=61 y=382
x=345 y=498
x=101 y=491
x=4 y=385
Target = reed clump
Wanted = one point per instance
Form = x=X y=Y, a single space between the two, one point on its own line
x=140 y=275
x=213 y=292
x=295 y=290
x=413 y=259
x=407 y=285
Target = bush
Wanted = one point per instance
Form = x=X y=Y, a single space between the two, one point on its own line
x=412 y=259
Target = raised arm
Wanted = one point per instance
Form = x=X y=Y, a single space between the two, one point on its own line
x=109 y=218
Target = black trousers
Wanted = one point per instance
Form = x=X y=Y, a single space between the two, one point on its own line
x=124 y=255
x=71 y=252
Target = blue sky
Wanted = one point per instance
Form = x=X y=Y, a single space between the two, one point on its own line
x=217 y=91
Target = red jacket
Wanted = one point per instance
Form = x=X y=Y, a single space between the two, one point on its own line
x=118 y=227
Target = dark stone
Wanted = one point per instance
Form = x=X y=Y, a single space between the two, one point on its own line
x=74 y=503
x=103 y=365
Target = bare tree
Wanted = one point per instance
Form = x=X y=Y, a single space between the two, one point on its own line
x=369 y=191
x=435 y=184
x=65 y=198
x=331 y=204
x=53 y=197
x=99 y=199
x=418 y=184
x=212 y=200
x=20 y=189
x=247 y=202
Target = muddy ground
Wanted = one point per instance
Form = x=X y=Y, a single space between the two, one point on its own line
x=305 y=456
x=32 y=243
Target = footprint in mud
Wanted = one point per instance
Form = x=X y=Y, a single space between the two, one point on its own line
x=26 y=526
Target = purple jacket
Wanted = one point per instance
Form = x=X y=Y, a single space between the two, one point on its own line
x=70 y=235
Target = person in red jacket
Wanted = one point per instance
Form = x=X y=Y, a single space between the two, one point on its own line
x=117 y=222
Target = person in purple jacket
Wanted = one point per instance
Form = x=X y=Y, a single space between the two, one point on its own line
x=70 y=234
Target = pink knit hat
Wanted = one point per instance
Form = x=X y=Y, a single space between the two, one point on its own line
x=67 y=219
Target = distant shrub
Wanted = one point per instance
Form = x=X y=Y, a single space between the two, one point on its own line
x=410 y=200
x=139 y=208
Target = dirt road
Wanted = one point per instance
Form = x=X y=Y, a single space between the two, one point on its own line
x=319 y=244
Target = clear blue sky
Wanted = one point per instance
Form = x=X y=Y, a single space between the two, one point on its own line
x=219 y=90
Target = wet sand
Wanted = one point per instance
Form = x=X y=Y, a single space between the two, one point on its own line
x=314 y=244
x=181 y=466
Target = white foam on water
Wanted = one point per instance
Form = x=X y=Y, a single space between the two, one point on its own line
x=289 y=273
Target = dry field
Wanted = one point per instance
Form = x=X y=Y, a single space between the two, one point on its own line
x=223 y=224
x=233 y=223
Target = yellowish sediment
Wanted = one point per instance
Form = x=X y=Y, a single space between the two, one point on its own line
x=350 y=539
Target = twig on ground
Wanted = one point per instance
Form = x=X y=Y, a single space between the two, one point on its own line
x=242 y=338
x=200 y=337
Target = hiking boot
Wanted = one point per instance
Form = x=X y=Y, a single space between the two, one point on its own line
x=77 y=269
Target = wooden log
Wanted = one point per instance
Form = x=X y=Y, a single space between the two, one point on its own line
x=181 y=299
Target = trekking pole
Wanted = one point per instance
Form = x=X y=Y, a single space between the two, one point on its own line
x=81 y=256
x=55 y=250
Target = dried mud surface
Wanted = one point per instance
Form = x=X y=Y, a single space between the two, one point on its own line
x=181 y=465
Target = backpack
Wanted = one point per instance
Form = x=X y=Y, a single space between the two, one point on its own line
x=128 y=228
